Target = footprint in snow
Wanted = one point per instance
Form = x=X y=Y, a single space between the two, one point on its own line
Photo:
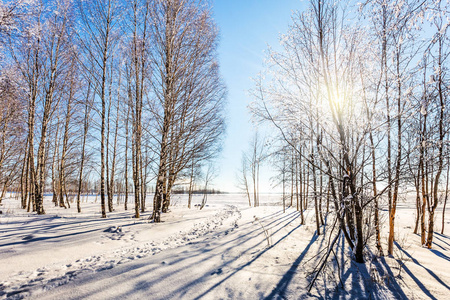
x=28 y=237
x=217 y=272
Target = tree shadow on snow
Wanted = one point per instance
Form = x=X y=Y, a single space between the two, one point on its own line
x=296 y=216
x=441 y=238
x=357 y=281
x=203 y=252
x=440 y=254
x=54 y=231
x=418 y=282
x=280 y=290
x=355 y=278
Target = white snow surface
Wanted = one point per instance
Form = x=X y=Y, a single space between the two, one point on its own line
x=225 y=251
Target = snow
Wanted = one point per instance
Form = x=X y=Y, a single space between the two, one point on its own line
x=225 y=251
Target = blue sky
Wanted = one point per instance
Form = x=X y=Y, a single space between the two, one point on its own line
x=246 y=27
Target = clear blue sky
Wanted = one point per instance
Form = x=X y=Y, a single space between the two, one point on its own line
x=247 y=27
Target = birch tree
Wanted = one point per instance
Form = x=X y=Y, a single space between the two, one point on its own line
x=97 y=38
x=187 y=87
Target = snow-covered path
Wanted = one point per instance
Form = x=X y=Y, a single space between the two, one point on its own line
x=222 y=245
x=27 y=243
x=48 y=254
x=231 y=263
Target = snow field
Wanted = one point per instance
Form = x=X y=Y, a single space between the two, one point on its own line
x=225 y=251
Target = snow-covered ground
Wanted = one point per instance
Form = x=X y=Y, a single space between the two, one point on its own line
x=225 y=251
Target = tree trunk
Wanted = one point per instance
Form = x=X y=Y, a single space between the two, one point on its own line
x=54 y=167
x=297 y=196
x=40 y=180
x=108 y=129
x=393 y=203
x=160 y=183
x=388 y=134
x=170 y=183
x=136 y=180
x=143 y=176
x=62 y=177
x=423 y=179
x=126 y=158
x=418 y=206
x=432 y=210
x=359 y=257
x=113 y=164
x=24 y=178
x=445 y=198
x=284 y=184
x=103 y=124
x=300 y=172
x=375 y=195
x=255 y=198
x=306 y=198
x=316 y=204
x=102 y=143
x=320 y=197
x=292 y=179
x=191 y=184
x=83 y=147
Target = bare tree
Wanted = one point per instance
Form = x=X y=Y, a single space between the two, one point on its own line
x=243 y=177
x=86 y=121
x=210 y=174
x=188 y=90
x=445 y=197
x=65 y=146
x=12 y=131
x=441 y=94
x=256 y=156
x=98 y=38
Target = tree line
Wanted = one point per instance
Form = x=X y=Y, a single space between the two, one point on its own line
x=126 y=93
